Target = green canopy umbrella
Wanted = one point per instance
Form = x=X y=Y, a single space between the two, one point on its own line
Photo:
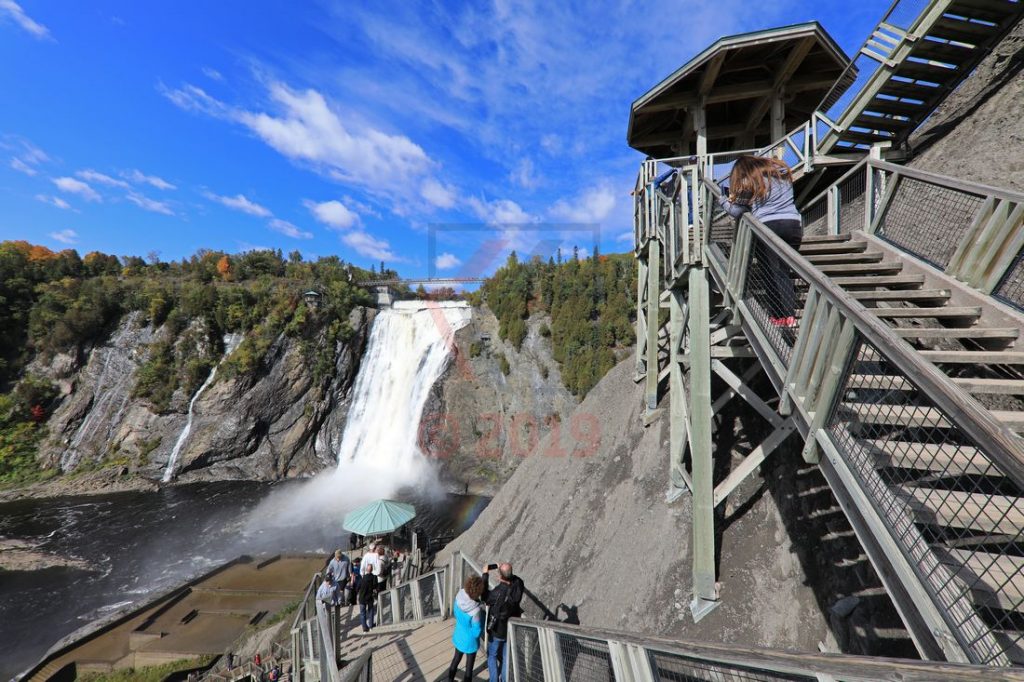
x=379 y=518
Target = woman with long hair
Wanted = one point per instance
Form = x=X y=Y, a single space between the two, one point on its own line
x=764 y=187
x=469 y=615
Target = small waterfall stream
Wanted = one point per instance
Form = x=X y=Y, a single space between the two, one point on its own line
x=231 y=342
x=409 y=348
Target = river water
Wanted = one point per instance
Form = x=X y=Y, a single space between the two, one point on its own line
x=138 y=544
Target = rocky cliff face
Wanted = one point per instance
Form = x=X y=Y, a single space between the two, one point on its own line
x=279 y=423
x=976 y=134
x=481 y=422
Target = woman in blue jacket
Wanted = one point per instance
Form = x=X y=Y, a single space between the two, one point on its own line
x=469 y=616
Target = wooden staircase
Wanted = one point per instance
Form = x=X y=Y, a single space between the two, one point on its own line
x=963 y=508
x=916 y=70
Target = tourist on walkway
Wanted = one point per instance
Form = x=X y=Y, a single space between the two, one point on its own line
x=339 y=571
x=503 y=603
x=764 y=187
x=325 y=592
x=371 y=558
x=469 y=615
x=367 y=598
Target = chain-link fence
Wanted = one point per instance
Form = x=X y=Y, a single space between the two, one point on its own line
x=954 y=513
x=927 y=219
x=1011 y=289
x=431 y=590
x=770 y=293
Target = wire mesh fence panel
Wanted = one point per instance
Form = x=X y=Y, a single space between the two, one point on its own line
x=815 y=217
x=1011 y=289
x=526 y=657
x=851 y=197
x=928 y=220
x=583 y=659
x=386 y=615
x=676 y=668
x=406 y=609
x=430 y=605
x=957 y=517
x=770 y=292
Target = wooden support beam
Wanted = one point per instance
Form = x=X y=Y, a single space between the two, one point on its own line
x=756 y=457
x=710 y=75
x=737 y=92
x=678 y=424
x=653 y=304
x=705 y=588
x=773 y=98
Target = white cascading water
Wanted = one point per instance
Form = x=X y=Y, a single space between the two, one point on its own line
x=231 y=342
x=409 y=348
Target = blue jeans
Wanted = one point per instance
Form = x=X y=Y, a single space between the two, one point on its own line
x=366 y=613
x=496 y=660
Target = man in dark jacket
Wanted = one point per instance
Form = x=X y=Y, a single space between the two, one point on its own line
x=502 y=604
x=367 y=598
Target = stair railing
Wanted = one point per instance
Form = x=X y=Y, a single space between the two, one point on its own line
x=547 y=651
x=815 y=368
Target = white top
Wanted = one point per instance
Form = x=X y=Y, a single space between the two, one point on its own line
x=370 y=559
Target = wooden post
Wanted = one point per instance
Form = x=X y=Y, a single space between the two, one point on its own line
x=705 y=592
x=653 y=305
x=778 y=121
x=678 y=431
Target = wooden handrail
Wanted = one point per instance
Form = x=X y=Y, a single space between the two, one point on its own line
x=970 y=416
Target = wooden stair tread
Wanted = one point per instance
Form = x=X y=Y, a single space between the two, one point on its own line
x=908 y=295
x=1008 y=333
x=975 y=357
x=947 y=53
x=925 y=72
x=996 y=579
x=824 y=238
x=898 y=383
x=974 y=511
x=909 y=415
x=846 y=246
x=887 y=268
x=864 y=257
x=882 y=281
x=946 y=311
x=936 y=457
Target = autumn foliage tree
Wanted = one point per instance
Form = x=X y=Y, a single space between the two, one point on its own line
x=224 y=268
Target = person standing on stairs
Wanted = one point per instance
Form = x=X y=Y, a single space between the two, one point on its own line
x=763 y=186
x=469 y=616
x=367 y=598
x=502 y=603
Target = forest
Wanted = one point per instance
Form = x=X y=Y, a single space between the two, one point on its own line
x=59 y=302
x=590 y=304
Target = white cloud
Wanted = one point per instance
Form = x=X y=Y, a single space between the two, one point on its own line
x=73 y=186
x=53 y=201
x=592 y=205
x=65 y=236
x=212 y=74
x=551 y=143
x=15 y=13
x=22 y=167
x=148 y=204
x=27 y=157
x=332 y=213
x=447 y=261
x=288 y=229
x=304 y=127
x=89 y=175
x=138 y=177
x=240 y=203
x=500 y=212
x=625 y=237
x=438 y=194
x=524 y=174
x=367 y=245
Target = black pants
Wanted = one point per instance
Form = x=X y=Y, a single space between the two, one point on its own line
x=453 y=669
x=774 y=273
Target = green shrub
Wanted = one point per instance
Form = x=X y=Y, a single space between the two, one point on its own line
x=506 y=368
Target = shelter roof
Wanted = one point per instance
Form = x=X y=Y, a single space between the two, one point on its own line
x=736 y=76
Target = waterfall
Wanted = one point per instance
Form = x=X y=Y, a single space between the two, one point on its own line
x=408 y=350
x=231 y=342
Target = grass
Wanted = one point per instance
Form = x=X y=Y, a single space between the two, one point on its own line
x=155 y=673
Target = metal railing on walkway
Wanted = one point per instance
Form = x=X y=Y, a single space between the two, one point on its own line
x=557 y=652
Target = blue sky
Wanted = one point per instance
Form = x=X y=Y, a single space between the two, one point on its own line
x=356 y=129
